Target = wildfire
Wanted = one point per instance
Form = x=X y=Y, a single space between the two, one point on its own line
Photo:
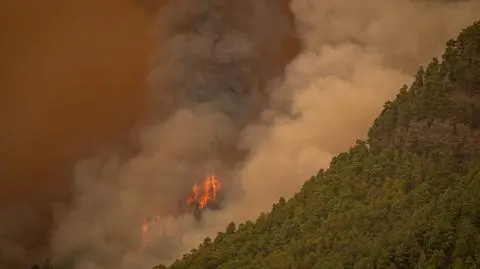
x=202 y=195
x=145 y=229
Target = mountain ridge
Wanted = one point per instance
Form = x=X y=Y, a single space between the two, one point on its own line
x=445 y=96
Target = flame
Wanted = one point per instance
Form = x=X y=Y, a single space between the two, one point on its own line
x=201 y=195
x=208 y=192
x=145 y=229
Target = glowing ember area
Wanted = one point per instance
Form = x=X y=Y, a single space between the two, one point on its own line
x=203 y=194
x=145 y=229
x=149 y=225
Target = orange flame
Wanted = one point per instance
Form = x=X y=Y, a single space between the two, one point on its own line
x=145 y=229
x=201 y=195
x=208 y=192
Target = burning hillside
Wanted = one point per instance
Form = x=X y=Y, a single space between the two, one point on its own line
x=204 y=195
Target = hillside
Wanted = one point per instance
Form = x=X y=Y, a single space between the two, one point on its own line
x=407 y=197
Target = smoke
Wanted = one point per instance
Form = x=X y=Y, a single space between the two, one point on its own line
x=356 y=55
x=72 y=82
x=222 y=107
x=207 y=86
x=15 y=220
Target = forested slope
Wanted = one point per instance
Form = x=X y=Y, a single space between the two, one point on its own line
x=407 y=197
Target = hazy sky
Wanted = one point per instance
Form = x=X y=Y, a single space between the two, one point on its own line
x=72 y=78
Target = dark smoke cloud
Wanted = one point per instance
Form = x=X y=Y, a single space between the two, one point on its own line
x=14 y=222
x=208 y=82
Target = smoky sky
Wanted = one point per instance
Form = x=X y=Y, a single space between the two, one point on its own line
x=262 y=93
x=207 y=84
x=72 y=84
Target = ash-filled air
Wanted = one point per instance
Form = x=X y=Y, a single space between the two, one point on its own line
x=225 y=106
x=209 y=82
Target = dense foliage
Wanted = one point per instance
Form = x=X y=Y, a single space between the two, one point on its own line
x=408 y=197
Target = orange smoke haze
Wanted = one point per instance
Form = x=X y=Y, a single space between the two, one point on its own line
x=72 y=79
x=71 y=82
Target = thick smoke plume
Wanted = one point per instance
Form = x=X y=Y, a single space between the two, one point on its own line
x=208 y=82
x=221 y=109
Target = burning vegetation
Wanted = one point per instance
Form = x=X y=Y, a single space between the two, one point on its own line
x=203 y=196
